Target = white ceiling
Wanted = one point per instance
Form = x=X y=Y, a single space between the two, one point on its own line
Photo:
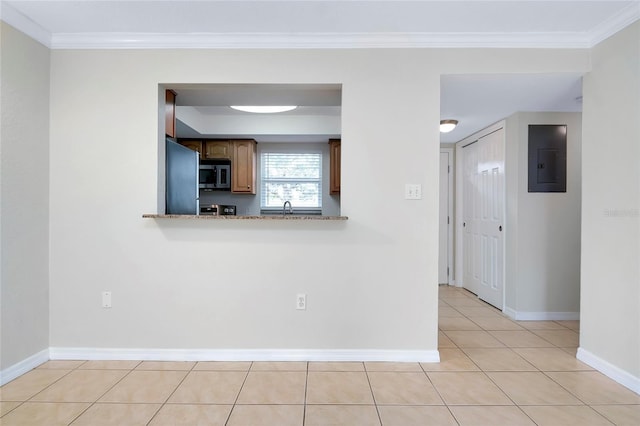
x=476 y=101
x=318 y=16
x=323 y=23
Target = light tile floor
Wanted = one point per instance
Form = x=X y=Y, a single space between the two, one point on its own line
x=493 y=371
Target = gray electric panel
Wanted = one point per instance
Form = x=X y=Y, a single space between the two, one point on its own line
x=547 y=158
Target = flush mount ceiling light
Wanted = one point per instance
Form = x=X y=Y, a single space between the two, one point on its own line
x=264 y=109
x=447 y=125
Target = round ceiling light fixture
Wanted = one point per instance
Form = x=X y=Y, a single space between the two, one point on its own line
x=264 y=109
x=447 y=125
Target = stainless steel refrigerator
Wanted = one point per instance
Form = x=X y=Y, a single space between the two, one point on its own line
x=182 y=195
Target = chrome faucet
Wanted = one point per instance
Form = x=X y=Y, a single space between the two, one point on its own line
x=284 y=208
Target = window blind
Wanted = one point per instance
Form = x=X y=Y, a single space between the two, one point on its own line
x=294 y=177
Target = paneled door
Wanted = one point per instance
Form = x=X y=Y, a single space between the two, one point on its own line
x=470 y=237
x=484 y=217
x=443 y=255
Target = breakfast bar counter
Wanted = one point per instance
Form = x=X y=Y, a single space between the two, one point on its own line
x=231 y=217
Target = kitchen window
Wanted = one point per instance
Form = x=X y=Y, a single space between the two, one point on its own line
x=291 y=176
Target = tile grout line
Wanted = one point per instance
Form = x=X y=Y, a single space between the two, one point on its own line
x=373 y=396
x=105 y=392
x=304 y=406
x=48 y=386
x=162 y=404
x=604 y=415
x=56 y=381
x=233 y=406
x=439 y=394
x=19 y=404
x=563 y=387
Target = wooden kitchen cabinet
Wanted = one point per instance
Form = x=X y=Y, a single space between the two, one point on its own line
x=334 y=166
x=193 y=145
x=217 y=149
x=243 y=166
x=170 y=113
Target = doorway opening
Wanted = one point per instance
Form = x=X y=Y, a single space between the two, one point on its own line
x=539 y=280
x=206 y=120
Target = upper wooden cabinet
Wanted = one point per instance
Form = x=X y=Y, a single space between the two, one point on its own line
x=170 y=113
x=217 y=149
x=334 y=166
x=243 y=166
x=193 y=145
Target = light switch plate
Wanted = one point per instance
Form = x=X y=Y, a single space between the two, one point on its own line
x=413 y=191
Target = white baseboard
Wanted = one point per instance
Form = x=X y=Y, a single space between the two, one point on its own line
x=541 y=316
x=24 y=366
x=242 y=354
x=109 y=354
x=619 y=375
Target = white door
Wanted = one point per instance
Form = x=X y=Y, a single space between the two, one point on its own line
x=483 y=217
x=470 y=238
x=443 y=257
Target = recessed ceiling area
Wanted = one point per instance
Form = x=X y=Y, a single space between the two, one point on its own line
x=203 y=110
x=479 y=100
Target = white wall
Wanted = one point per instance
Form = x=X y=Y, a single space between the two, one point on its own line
x=370 y=281
x=184 y=284
x=610 y=298
x=24 y=198
x=542 y=279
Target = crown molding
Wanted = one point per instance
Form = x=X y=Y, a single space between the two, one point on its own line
x=546 y=40
x=20 y=22
x=606 y=29
x=317 y=40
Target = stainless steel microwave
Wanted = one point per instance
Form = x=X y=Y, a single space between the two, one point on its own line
x=215 y=177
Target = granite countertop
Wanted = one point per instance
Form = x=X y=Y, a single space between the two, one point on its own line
x=264 y=217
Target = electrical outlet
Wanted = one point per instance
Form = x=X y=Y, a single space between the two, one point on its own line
x=301 y=302
x=106 y=299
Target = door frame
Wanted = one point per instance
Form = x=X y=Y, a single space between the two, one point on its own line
x=451 y=278
x=459 y=214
